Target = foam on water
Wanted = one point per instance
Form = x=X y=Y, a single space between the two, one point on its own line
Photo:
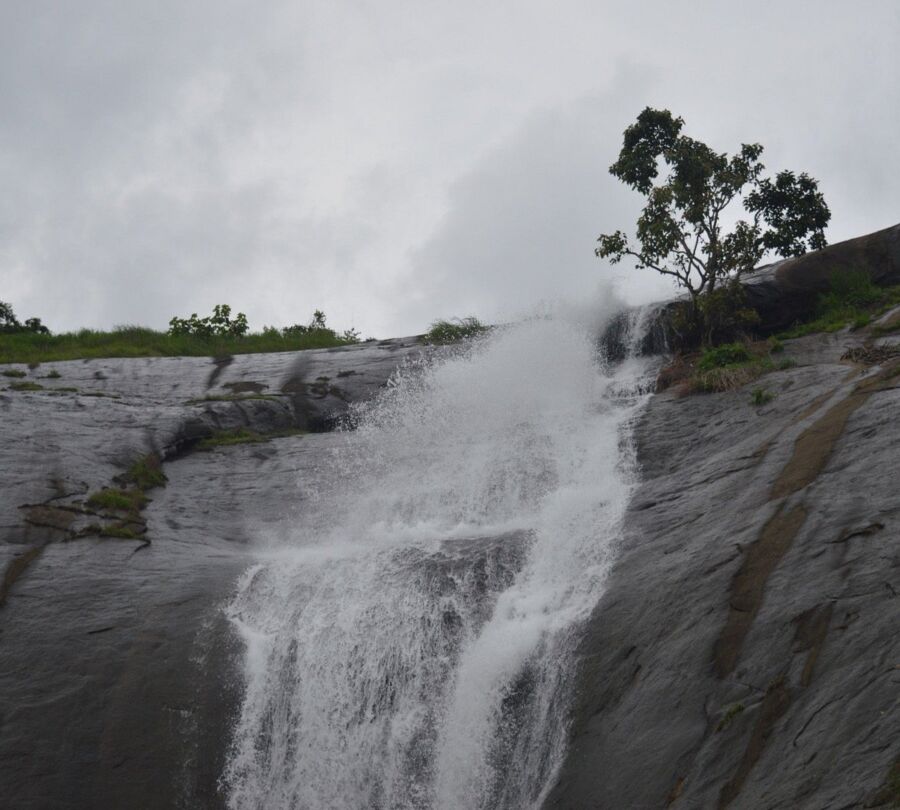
x=410 y=645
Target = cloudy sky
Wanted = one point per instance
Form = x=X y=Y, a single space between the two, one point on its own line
x=393 y=162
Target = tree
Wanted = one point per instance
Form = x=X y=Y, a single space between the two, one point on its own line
x=680 y=232
x=219 y=324
x=9 y=323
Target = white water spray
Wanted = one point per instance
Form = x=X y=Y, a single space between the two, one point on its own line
x=411 y=646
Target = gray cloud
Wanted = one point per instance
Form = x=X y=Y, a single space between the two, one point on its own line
x=392 y=163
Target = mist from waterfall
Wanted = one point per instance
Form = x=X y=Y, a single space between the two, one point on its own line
x=410 y=644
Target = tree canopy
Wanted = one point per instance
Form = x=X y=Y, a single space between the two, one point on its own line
x=9 y=323
x=681 y=230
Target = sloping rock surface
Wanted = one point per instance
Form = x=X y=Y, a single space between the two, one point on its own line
x=115 y=663
x=746 y=654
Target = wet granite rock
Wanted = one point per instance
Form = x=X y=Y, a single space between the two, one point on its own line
x=117 y=670
x=746 y=653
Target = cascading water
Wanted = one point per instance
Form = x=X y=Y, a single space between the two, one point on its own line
x=411 y=645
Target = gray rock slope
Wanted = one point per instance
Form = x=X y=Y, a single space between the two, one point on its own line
x=745 y=654
x=747 y=651
x=115 y=663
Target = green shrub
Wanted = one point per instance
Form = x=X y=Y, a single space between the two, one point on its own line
x=146 y=473
x=734 y=365
x=316 y=327
x=13 y=372
x=219 y=324
x=26 y=386
x=454 y=330
x=761 y=396
x=728 y=354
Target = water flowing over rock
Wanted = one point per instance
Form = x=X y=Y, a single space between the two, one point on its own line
x=379 y=617
x=407 y=642
x=493 y=576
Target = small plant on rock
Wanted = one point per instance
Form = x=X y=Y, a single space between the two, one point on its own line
x=454 y=330
x=760 y=397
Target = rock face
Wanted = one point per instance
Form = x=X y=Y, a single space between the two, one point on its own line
x=746 y=653
x=116 y=686
x=785 y=292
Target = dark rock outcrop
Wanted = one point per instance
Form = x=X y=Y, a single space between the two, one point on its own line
x=786 y=292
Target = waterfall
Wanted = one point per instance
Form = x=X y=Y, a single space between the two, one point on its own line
x=410 y=643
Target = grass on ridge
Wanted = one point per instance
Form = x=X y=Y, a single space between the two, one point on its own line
x=137 y=341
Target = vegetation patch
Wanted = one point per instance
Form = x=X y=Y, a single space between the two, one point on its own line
x=26 y=386
x=454 y=330
x=53 y=374
x=228 y=438
x=123 y=530
x=734 y=365
x=728 y=716
x=118 y=500
x=13 y=372
x=728 y=354
x=138 y=341
x=128 y=501
x=761 y=396
x=146 y=473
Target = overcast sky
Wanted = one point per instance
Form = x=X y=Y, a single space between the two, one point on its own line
x=394 y=162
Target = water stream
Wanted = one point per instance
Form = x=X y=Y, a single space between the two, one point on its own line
x=410 y=644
